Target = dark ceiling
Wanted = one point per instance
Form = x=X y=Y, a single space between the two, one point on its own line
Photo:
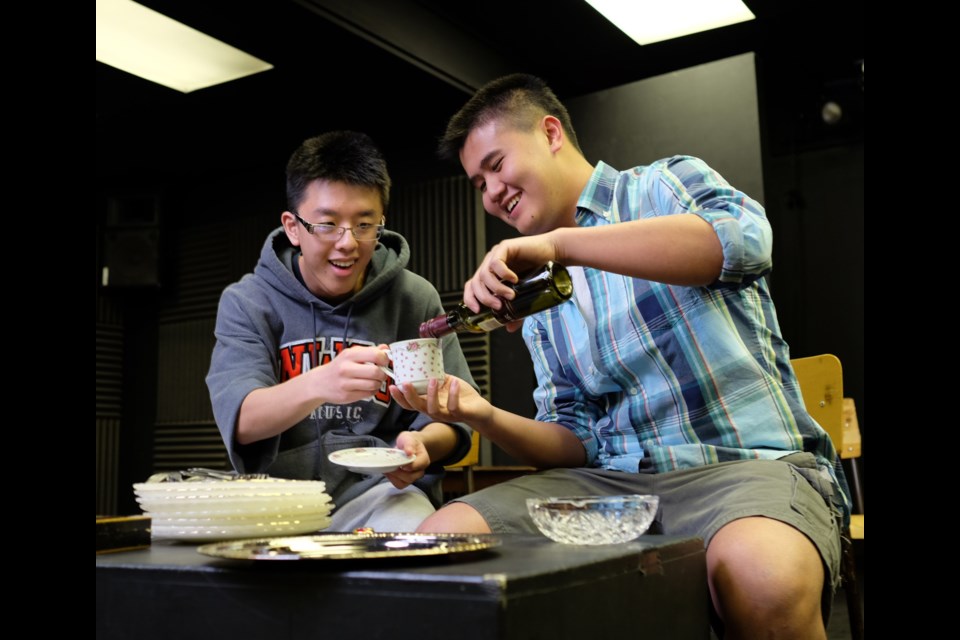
x=398 y=69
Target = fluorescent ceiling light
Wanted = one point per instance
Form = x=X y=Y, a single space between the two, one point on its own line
x=649 y=21
x=143 y=42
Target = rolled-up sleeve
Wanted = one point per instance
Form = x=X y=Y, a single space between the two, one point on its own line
x=688 y=185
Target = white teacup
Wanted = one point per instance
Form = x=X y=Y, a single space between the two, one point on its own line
x=416 y=361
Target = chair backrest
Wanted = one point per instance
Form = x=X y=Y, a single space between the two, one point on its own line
x=821 y=383
x=851 y=430
x=472 y=457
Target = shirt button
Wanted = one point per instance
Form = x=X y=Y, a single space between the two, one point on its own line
x=633 y=391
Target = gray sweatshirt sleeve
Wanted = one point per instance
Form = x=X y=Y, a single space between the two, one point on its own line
x=244 y=359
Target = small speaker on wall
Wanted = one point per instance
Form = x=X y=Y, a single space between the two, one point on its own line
x=131 y=258
x=131 y=242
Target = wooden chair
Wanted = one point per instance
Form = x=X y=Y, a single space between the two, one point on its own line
x=821 y=384
x=468 y=462
x=850 y=450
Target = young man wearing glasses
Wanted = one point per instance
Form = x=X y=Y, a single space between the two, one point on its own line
x=295 y=373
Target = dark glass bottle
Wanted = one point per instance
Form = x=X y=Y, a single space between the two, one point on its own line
x=546 y=287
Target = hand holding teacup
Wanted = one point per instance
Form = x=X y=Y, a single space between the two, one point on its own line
x=354 y=374
x=449 y=400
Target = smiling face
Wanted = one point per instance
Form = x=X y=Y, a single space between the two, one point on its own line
x=520 y=174
x=334 y=269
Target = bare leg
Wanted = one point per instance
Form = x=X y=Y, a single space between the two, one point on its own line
x=766 y=580
x=455 y=518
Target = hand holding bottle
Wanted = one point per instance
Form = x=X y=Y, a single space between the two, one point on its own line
x=491 y=282
x=541 y=289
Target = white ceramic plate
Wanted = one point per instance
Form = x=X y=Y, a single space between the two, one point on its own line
x=271 y=486
x=227 y=506
x=370 y=460
x=223 y=531
x=186 y=519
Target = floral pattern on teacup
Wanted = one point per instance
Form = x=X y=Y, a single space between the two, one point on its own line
x=417 y=360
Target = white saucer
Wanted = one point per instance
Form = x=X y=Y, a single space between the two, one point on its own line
x=369 y=460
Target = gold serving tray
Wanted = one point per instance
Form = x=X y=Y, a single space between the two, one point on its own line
x=350 y=546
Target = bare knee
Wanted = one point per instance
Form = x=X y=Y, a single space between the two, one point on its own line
x=766 y=580
x=456 y=517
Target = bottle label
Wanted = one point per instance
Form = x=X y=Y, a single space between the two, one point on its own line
x=490 y=324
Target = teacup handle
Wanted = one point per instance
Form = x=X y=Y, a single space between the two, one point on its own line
x=387 y=370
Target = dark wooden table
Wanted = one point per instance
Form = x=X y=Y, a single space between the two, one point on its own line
x=529 y=587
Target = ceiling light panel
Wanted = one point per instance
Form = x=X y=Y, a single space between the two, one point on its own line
x=148 y=44
x=648 y=21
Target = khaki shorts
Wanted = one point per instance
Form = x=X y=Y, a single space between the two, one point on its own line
x=693 y=502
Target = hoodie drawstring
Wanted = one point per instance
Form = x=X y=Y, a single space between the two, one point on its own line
x=346 y=327
x=313 y=340
x=315 y=347
x=314 y=360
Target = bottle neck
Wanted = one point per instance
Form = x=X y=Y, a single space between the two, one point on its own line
x=439 y=326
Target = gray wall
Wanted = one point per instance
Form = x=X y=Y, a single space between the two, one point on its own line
x=709 y=111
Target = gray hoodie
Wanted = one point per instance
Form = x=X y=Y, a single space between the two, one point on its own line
x=266 y=325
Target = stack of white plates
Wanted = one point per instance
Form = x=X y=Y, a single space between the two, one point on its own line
x=228 y=509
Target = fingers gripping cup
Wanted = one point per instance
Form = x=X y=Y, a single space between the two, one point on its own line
x=416 y=362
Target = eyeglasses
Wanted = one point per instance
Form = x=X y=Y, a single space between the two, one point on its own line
x=363 y=232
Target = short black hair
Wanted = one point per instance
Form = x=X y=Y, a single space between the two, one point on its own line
x=337 y=156
x=520 y=99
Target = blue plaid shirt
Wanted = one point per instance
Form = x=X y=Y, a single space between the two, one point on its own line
x=675 y=376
